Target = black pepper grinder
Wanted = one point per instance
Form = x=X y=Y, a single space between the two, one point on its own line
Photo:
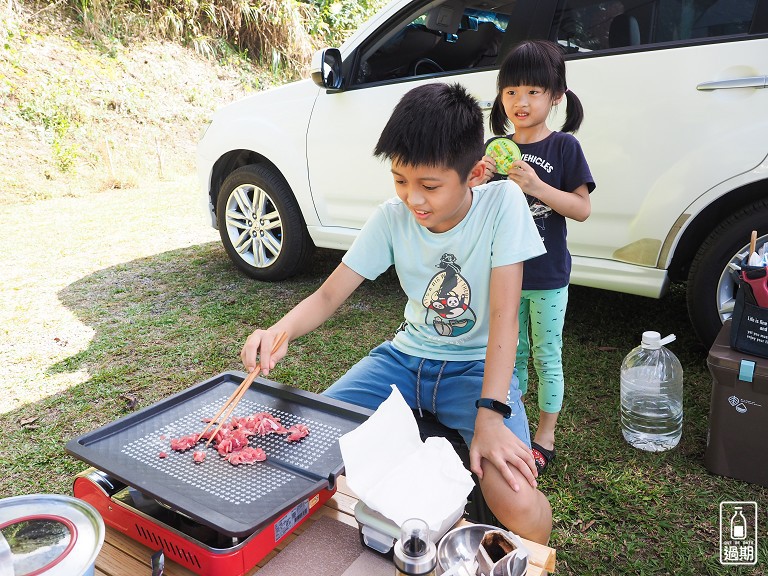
x=415 y=554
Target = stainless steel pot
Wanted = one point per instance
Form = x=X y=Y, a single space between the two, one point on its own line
x=49 y=534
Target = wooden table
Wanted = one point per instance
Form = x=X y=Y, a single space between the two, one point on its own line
x=123 y=556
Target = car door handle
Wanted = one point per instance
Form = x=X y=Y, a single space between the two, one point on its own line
x=748 y=82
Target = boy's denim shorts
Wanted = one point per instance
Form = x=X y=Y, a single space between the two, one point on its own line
x=448 y=389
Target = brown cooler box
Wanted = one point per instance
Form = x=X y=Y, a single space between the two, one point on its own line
x=737 y=439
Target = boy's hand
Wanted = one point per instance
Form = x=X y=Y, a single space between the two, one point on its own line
x=499 y=445
x=490 y=169
x=259 y=346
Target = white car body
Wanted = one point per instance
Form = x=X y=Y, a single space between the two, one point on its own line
x=670 y=157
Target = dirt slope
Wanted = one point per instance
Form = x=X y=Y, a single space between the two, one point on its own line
x=79 y=117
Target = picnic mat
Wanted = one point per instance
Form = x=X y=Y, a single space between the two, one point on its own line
x=327 y=548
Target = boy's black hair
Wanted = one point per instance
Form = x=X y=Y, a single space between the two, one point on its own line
x=437 y=125
x=535 y=63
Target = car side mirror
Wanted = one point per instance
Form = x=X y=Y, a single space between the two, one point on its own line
x=326 y=69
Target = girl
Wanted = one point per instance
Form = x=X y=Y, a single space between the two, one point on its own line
x=557 y=182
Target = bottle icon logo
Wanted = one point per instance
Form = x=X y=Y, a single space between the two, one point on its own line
x=738 y=533
x=738 y=525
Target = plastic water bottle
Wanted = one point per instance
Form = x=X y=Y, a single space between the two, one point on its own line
x=652 y=395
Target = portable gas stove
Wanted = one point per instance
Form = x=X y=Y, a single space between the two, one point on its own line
x=213 y=517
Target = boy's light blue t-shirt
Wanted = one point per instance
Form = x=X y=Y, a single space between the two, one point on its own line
x=446 y=276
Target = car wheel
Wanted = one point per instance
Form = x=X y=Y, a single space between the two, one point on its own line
x=711 y=288
x=260 y=224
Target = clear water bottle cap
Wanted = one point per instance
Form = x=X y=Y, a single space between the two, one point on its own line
x=654 y=341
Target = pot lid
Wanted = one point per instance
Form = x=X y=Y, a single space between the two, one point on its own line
x=48 y=534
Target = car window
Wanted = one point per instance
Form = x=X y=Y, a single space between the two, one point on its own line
x=584 y=25
x=440 y=37
x=459 y=35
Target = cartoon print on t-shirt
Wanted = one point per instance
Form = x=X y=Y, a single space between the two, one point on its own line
x=539 y=210
x=447 y=300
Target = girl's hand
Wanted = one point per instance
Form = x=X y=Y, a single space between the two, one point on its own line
x=497 y=444
x=490 y=169
x=259 y=346
x=525 y=176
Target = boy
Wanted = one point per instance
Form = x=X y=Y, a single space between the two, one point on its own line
x=458 y=254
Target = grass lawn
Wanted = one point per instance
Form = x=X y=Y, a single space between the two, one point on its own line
x=146 y=327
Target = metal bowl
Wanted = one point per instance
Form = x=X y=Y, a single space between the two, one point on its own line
x=460 y=545
x=51 y=534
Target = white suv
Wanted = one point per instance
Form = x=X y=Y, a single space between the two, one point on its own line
x=675 y=132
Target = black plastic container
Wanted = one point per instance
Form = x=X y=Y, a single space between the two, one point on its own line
x=737 y=439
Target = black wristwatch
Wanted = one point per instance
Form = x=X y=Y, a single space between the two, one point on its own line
x=494 y=405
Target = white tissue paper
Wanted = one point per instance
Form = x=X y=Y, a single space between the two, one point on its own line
x=393 y=472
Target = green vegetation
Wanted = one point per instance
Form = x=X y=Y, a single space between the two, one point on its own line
x=278 y=35
x=55 y=109
x=270 y=33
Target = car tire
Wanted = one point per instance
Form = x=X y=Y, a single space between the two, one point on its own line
x=261 y=225
x=711 y=288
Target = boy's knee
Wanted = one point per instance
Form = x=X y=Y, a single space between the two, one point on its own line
x=531 y=518
x=526 y=513
x=524 y=505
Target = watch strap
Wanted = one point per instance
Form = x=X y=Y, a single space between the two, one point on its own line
x=495 y=405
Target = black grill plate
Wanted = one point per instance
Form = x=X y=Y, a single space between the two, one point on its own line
x=235 y=500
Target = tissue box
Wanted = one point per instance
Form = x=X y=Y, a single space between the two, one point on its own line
x=380 y=533
x=476 y=510
x=400 y=476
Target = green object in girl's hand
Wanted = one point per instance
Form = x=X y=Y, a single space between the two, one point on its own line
x=504 y=152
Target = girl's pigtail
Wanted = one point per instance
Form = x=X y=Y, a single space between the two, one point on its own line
x=574 y=112
x=497 y=119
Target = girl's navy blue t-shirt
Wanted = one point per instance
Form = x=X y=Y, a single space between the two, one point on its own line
x=559 y=161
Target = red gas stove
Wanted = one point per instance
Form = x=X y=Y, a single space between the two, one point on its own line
x=213 y=517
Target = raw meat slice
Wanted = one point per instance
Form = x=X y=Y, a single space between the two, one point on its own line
x=232 y=442
x=184 y=443
x=297 y=432
x=247 y=455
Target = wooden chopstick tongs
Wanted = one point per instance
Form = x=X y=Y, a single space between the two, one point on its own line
x=232 y=401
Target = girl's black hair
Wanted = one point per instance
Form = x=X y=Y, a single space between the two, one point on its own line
x=535 y=63
x=437 y=125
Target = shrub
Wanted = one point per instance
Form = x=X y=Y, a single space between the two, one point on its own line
x=278 y=35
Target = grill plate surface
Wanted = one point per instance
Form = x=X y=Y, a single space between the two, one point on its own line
x=236 y=500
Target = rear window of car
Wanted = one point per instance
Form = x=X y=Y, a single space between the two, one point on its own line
x=582 y=26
